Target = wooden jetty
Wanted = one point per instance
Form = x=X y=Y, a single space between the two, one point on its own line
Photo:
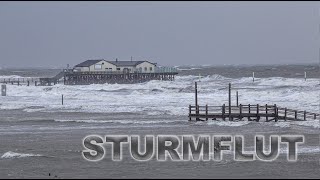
x=83 y=78
x=253 y=112
x=20 y=81
x=68 y=77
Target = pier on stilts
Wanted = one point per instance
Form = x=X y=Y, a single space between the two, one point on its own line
x=251 y=112
x=68 y=77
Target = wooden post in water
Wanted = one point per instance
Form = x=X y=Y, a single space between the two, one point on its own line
x=3 y=90
x=223 y=112
x=189 y=112
x=253 y=76
x=285 y=114
x=196 y=100
x=28 y=83
x=304 y=115
x=305 y=76
x=266 y=112
x=315 y=116
x=62 y=99
x=207 y=112
x=249 y=108
x=35 y=83
x=240 y=112
x=295 y=115
x=237 y=99
x=275 y=113
x=229 y=101
x=258 y=118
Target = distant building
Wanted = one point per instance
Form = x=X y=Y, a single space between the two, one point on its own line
x=101 y=65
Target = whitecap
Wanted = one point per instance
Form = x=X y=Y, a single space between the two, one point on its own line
x=10 y=155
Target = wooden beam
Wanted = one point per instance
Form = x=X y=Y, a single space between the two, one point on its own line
x=229 y=101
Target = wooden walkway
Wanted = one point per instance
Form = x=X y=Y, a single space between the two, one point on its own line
x=20 y=81
x=253 y=112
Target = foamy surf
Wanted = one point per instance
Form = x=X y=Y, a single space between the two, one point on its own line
x=11 y=155
x=156 y=98
x=116 y=121
x=227 y=123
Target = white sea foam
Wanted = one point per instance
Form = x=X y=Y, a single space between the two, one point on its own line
x=116 y=121
x=301 y=149
x=166 y=97
x=228 y=123
x=10 y=154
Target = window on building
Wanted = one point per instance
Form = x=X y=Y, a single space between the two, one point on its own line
x=150 y=68
x=145 y=69
x=118 y=69
x=98 y=66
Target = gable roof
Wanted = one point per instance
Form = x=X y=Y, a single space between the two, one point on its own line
x=88 y=63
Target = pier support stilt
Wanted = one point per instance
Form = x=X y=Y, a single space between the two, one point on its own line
x=230 y=118
x=196 y=100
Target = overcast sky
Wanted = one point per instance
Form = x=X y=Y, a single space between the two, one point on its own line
x=53 y=34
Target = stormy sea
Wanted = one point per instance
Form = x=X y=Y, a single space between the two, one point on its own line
x=41 y=138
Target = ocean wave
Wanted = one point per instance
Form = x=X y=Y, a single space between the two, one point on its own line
x=226 y=123
x=117 y=121
x=10 y=155
x=164 y=97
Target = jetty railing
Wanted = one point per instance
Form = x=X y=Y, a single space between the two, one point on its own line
x=20 y=81
x=249 y=111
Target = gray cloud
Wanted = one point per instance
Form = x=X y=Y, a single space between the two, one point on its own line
x=170 y=33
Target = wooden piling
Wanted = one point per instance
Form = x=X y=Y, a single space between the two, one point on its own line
x=249 y=108
x=305 y=76
x=35 y=83
x=229 y=101
x=62 y=99
x=295 y=115
x=198 y=107
x=266 y=112
x=28 y=83
x=240 y=117
x=189 y=112
x=285 y=114
x=237 y=99
x=207 y=112
x=304 y=115
x=196 y=100
x=3 y=90
x=196 y=93
x=253 y=76
x=223 y=112
x=315 y=116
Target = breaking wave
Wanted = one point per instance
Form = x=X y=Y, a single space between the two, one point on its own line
x=117 y=121
x=10 y=155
